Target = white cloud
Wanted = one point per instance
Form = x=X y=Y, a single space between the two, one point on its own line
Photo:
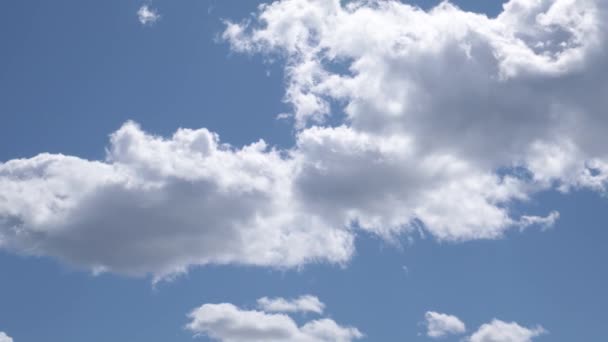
x=160 y=205
x=437 y=103
x=543 y=222
x=228 y=323
x=499 y=331
x=5 y=338
x=450 y=118
x=147 y=15
x=305 y=303
x=441 y=325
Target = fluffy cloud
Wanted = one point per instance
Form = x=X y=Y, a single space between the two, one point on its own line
x=228 y=323
x=382 y=184
x=446 y=116
x=159 y=205
x=440 y=325
x=499 y=331
x=405 y=120
x=147 y=15
x=305 y=303
x=5 y=338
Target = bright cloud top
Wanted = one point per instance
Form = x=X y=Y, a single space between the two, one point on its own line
x=5 y=338
x=440 y=325
x=499 y=331
x=147 y=15
x=228 y=323
x=446 y=118
x=305 y=303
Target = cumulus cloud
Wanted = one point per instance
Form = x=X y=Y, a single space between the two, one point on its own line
x=441 y=325
x=499 y=331
x=440 y=120
x=448 y=115
x=156 y=206
x=305 y=303
x=147 y=15
x=228 y=323
x=5 y=338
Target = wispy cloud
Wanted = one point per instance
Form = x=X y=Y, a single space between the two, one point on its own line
x=306 y=303
x=147 y=15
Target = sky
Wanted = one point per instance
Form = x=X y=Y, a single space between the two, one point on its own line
x=303 y=170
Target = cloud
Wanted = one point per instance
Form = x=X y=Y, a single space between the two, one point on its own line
x=5 y=338
x=305 y=303
x=440 y=110
x=441 y=325
x=147 y=15
x=228 y=323
x=544 y=222
x=441 y=120
x=157 y=206
x=499 y=331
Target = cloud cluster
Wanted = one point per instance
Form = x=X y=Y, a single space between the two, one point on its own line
x=228 y=323
x=404 y=119
x=5 y=338
x=454 y=113
x=440 y=325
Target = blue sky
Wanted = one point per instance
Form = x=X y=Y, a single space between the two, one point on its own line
x=74 y=72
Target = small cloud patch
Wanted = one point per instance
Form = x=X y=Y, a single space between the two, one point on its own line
x=147 y=15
